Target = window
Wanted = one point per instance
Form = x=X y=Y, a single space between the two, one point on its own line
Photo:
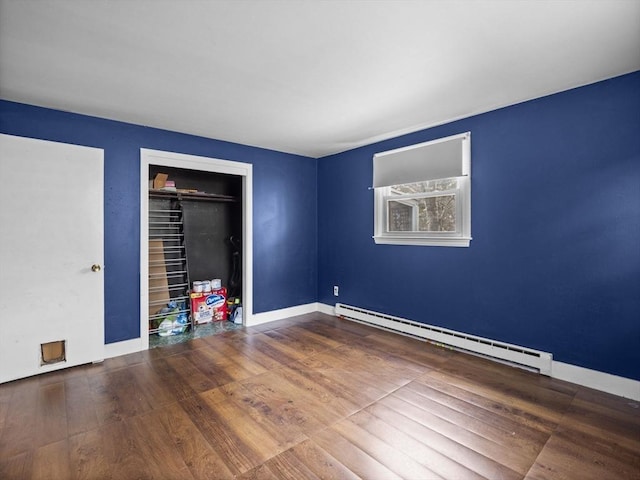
x=422 y=193
x=429 y=206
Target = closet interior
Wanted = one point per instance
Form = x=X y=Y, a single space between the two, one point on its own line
x=195 y=252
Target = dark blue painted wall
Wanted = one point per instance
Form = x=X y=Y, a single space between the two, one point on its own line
x=555 y=259
x=554 y=263
x=284 y=213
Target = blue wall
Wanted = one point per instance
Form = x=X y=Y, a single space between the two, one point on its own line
x=284 y=213
x=554 y=263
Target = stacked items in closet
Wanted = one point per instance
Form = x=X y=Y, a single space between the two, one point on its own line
x=169 y=311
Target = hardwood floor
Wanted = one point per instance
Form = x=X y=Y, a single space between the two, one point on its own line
x=311 y=397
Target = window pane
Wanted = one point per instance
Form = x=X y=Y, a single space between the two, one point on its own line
x=437 y=214
x=400 y=217
x=432 y=214
x=425 y=187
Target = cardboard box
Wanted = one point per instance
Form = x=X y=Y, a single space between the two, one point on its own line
x=158 y=284
x=208 y=307
x=160 y=180
x=53 y=352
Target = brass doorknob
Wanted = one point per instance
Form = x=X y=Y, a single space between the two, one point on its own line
x=95 y=267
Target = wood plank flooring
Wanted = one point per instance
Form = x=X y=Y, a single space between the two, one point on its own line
x=311 y=397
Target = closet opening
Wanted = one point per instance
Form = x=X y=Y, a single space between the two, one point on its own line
x=195 y=247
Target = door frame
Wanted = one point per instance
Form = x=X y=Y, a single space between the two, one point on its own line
x=202 y=164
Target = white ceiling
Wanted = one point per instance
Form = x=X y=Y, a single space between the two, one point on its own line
x=307 y=77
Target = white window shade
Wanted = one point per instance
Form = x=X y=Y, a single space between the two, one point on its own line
x=442 y=158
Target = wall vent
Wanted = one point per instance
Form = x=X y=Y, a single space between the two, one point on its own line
x=500 y=351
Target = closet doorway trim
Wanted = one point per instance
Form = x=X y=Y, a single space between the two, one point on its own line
x=203 y=164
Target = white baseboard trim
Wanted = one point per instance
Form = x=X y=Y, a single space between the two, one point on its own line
x=273 y=315
x=605 y=382
x=326 y=309
x=123 y=348
x=136 y=344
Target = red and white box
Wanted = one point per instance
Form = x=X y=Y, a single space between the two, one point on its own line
x=209 y=306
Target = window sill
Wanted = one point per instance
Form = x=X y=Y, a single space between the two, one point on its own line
x=423 y=241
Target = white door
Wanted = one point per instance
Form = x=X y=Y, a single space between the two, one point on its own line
x=51 y=235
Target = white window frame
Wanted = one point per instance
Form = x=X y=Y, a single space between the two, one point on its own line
x=405 y=200
x=461 y=237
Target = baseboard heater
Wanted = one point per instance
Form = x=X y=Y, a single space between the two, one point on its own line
x=500 y=351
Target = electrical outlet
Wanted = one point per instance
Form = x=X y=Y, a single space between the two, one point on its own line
x=335 y=290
